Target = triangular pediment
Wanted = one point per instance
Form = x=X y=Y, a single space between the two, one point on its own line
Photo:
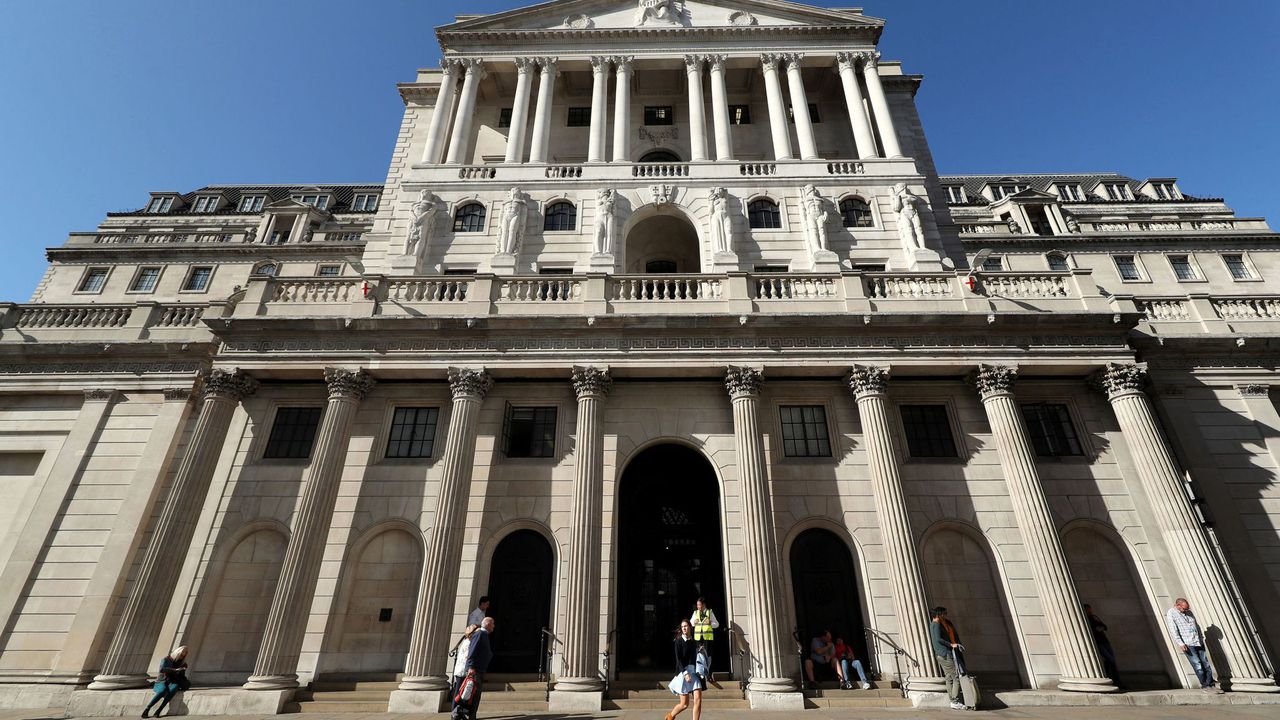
x=586 y=15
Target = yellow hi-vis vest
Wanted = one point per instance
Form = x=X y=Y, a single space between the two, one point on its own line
x=702 y=628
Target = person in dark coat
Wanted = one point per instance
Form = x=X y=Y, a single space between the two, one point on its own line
x=171 y=678
x=479 y=655
x=686 y=653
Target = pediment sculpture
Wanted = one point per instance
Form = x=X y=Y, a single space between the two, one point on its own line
x=658 y=12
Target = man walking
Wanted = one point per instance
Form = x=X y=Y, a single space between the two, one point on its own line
x=479 y=655
x=482 y=609
x=949 y=651
x=1186 y=634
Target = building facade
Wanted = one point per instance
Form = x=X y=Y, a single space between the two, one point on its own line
x=623 y=329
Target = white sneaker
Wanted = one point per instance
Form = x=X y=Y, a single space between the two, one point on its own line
x=959 y=706
x=865 y=685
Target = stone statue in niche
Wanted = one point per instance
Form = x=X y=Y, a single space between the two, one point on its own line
x=511 y=231
x=606 y=199
x=721 y=221
x=910 y=227
x=1073 y=225
x=657 y=11
x=815 y=218
x=1014 y=227
x=422 y=228
x=251 y=233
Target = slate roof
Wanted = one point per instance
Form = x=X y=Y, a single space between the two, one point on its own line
x=343 y=195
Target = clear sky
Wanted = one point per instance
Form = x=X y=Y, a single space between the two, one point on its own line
x=102 y=101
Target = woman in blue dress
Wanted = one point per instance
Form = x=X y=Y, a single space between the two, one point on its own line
x=171 y=678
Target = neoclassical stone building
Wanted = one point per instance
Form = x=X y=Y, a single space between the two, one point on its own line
x=659 y=300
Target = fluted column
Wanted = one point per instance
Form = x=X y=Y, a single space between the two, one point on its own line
x=764 y=584
x=1079 y=667
x=520 y=111
x=1200 y=578
x=582 y=628
x=800 y=107
x=277 y=665
x=434 y=621
x=622 y=110
x=777 y=108
x=128 y=660
x=867 y=382
x=542 y=114
x=599 y=108
x=697 y=116
x=441 y=113
x=880 y=105
x=461 y=139
x=720 y=109
x=847 y=64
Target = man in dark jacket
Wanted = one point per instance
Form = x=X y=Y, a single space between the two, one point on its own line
x=478 y=658
x=950 y=654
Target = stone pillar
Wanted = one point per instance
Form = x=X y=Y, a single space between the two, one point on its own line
x=1200 y=579
x=880 y=105
x=277 y=664
x=441 y=112
x=542 y=114
x=622 y=110
x=599 y=107
x=777 y=108
x=433 y=622
x=520 y=111
x=847 y=64
x=582 y=626
x=720 y=110
x=800 y=108
x=697 y=115
x=770 y=657
x=128 y=660
x=1079 y=667
x=867 y=382
x=461 y=139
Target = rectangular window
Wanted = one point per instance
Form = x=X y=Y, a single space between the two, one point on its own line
x=1039 y=220
x=769 y=269
x=955 y=193
x=928 y=431
x=93 y=281
x=804 y=431
x=1238 y=268
x=198 y=279
x=293 y=433
x=504 y=118
x=813 y=114
x=206 y=204
x=1051 y=431
x=1057 y=262
x=252 y=203
x=739 y=114
x=1164 y=191
x=993 y=263
x=365 y=203
x=1070 y=192
x=555 y=271
x=278 y=237
x=1182 y=267
x=146 y=279
x=320 y=202
x=579 y=117
x=529 y=432
x=160 y=205
x=1117 y=191
x=1127 y=265
x=659 y=115
x=413 y=432
x=329 y=271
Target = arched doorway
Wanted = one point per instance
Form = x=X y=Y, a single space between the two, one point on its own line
x=663 y=242
x=660 y=156
x=521 y=576
x=825 y=588
x=376 y=624
x=669 y=555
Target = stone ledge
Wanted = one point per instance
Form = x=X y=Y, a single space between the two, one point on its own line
x=775 y=701
x=34 y=696
x=572 y=702
x=419 y=701
x=1146 y=698
x=210 y=701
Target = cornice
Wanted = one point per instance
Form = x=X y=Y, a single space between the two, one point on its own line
x=204 y=250
x=455 y=39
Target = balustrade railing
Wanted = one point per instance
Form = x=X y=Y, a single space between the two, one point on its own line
x=1165 y=309
x=753 y=169
x=557 y=172
x=477 y=172
x=675 y=287
x=180 y=316
x=314 y=291
x=159 y=238
x=1011 y=285
x=846 y=168
x=540 y=290
x=909 y=286
x=795 y=287
x=660 y=170
x=1253 y=308
x=74 y=316
x=441 y=290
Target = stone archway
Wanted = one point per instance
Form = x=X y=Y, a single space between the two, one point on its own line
x=376 y=623
x=521 y=586
x=662 y=242
x=824 y=582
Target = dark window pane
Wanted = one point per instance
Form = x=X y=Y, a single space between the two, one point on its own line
x=1057 y=262
x=94 y=280
x=804 y=431
x=659 y=115
x=660 y=267
x=579 y=117
x=1051 y=431
x=469 y=218
x=856 y=213
x=530 y=432
x=561 y=216
x=764 y=215
x=293 y=433
x=413 y=433
x=928 y=431
x=739 y=114
x=504 y=118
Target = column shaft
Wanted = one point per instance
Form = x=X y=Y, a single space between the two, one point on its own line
x=1079 y=667
x=599 y=105
x=277 y=664
x=461 y=139
x=720 y=110
x=880 y=105
x=800 y=109
x=697 y=116
x=128 y=660
x=622 y=111
x=542 y=115
x=777 y=108
x=862 y=136
x=433 y=621
x=441 y=112
x=519 y=111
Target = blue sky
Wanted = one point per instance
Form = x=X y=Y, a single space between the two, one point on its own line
x=101 y=102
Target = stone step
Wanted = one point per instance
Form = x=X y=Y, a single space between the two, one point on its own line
x=836 y=692
x=354 y=685
x=856 y=702
x=342 y=696
x=336 y=707
x=497 y=686
x=649 y=693
x=670 y=701
x=489 y=703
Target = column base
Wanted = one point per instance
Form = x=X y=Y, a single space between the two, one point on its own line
x=575 y=701
x=119 y=682
x=272 y=682
x=1253 y=685
x=772 y=685
x=579 y=684
x=418 y=702
x=1089 y=685
x=927 y=684
x=793 y=701
x=426 y=683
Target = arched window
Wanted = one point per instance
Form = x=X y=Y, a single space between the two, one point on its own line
x=469 y=218
x=660 y=156
x=763 y=215
x=266 y=269
x=1057 y=261
x=856 y=213
x=561 y=215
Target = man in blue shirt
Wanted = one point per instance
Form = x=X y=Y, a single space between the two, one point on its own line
x=479 y=655
x=1186 y=634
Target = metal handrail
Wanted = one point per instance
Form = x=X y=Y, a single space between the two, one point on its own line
x=800 y=660
x=604 y=658
x=548 y=640
x=877 y=637
x=735 y=642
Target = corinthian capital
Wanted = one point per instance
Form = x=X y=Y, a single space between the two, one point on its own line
x=770 y=61
x=600 y=64
x=717 y=62
x=993 y=379
x=346 y=384
x=693 y=63
x=525 y=65
x=622 y=63
x=469 y=382
x=792 y=60
x=549 y=65
x=870 y=59
x=472 y=66
x=1121 y=379
x=229 y=385
x=868 y=380
x=591 y=381
x=847 y=61
x=742 y=382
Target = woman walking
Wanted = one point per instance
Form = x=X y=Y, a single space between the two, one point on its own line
x=171 y=678
x=687 y=680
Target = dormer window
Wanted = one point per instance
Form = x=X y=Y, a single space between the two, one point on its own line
x=1000 y=192
x=1070 y=192
x=1117 y=191
x=252 y=203
x=161 y=204
x=319 y=202
x=1165 y=190
x=206 y=203
x=365 y=202
x=955 y=194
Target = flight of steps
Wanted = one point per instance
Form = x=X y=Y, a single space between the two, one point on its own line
x=829 y=695
x=643 y=691
x=502 y=693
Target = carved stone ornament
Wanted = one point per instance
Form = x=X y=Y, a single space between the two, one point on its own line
x=742 y=382
x=993 y=379
x=469 y=382
x=347 y=384
x=1121 y=378
x=99 y=394
x=657 y=12
x=579 y=22
x=868 y=380
x=230 y=385
x=1254 y=390
x=662 y=194
x=590 y=380
x=177 y=393
x=742 y=18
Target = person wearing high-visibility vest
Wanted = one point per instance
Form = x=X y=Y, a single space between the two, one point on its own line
x=704 y=622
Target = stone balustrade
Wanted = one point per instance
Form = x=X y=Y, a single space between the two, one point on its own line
x=794 y=287
x=1247 y=308
x=620 y=173
x=1167 y=309
x=1021 y=285
x=911 y=286
x=74 y=316
x=108 y=324
x=314 y=291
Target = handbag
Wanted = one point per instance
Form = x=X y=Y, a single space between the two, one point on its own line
x=467 y=690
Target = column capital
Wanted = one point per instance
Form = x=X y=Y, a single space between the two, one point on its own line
x=469 y=382
x=348 y=384
x=868 y=380
x=549 y=65
x=1254 y=390
x=233 y=385
x=589 y=381
x=847 y=60
x=717 y=62
x=992 y=380
x=622 y=63
x=600 y=64
x=450 y=66
x=693 y=63
x=770 y=61
x=870 y=59
x=1118 y=379
x=472 y=66
x=792 y=59
x=525 y=65
x=743 y=382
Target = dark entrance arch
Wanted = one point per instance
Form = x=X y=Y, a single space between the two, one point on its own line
x=826 y=590
x=660 y=156
x=520 y=587
x=669 y=554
